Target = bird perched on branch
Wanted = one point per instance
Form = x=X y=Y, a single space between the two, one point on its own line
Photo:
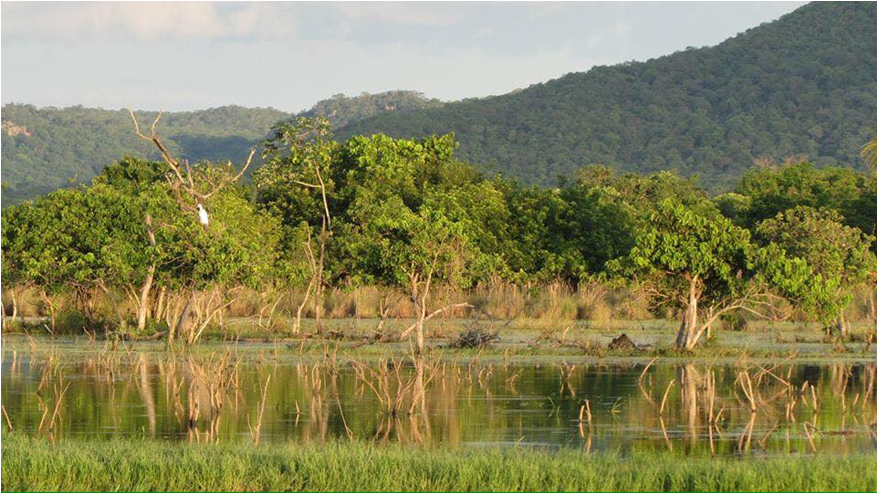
x=202 y=216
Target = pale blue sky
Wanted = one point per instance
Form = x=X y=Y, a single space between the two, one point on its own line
x=185 y=56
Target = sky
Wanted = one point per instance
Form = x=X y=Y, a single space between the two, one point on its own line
x=196 y=55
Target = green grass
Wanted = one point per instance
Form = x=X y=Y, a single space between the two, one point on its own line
x=149 y=465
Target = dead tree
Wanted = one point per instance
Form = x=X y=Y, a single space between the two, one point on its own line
x=188 y=196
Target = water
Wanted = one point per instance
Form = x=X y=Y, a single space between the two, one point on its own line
x=216 y=395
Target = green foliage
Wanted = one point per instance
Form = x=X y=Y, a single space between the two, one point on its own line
x=697 y=261
x=407 y=213
x=73 y=239
x=839 y=256
x=296 y=185
x=97 y=236
x=770 y=191
x=402 y=219
x=680 y=244
x=804 y=84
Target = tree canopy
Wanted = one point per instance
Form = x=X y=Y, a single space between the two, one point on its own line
x=406 y=214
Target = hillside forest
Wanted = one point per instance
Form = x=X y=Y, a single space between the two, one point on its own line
x=801 y=88
x=48 y=148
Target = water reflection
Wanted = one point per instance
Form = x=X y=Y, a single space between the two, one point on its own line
x=222 y=396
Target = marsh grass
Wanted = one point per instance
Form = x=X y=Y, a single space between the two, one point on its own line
x=145 y=465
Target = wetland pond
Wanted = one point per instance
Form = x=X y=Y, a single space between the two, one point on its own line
x=269 y=393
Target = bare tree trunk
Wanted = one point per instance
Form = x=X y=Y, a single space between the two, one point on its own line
x=160 y=304
x=384 y=311
x=51 y=308
x=841 y=325
x=687 y=334
x=14 y=305
x=172 y=309
x=184 y=316
x=318 y=290
x=680 y=341
x=421 y=308
x=420 y=330
x=873 y=313
x=318 y=306
x=143 y=306
x=297 y=325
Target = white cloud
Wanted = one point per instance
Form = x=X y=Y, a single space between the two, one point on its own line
x=146 y=21
x=418 y=14
x=154 y=21
x=622 y=29
x=485 y=32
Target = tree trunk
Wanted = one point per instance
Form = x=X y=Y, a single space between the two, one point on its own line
x=422 y=316
x=687 y=336
x=14 y=306
x=417 y=300
x=184 y=316
x=51 y=308
x=873 y=313
x=318 y=306
x=420 y=329
x=841 y=325
x=297 y=325
x=143 y=308
x=160 y=304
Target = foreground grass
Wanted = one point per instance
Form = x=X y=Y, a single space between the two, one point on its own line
x=147 y=465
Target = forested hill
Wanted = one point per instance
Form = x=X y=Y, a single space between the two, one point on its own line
x=48 y=148
x=342 y=110
x=804 y=84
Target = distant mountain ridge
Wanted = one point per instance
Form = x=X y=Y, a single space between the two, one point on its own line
x=802 y=85
x=48 y=148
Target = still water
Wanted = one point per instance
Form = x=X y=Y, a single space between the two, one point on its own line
x=271 y=394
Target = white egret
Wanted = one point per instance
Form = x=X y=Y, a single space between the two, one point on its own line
x=202 y=215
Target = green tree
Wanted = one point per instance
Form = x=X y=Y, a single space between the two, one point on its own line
x=73 y=240
x=701 y=264
x=141 y=186
x=774 y=190
x=400 y=228
x=297 y=182
x=869 y=152
x=838 y=254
